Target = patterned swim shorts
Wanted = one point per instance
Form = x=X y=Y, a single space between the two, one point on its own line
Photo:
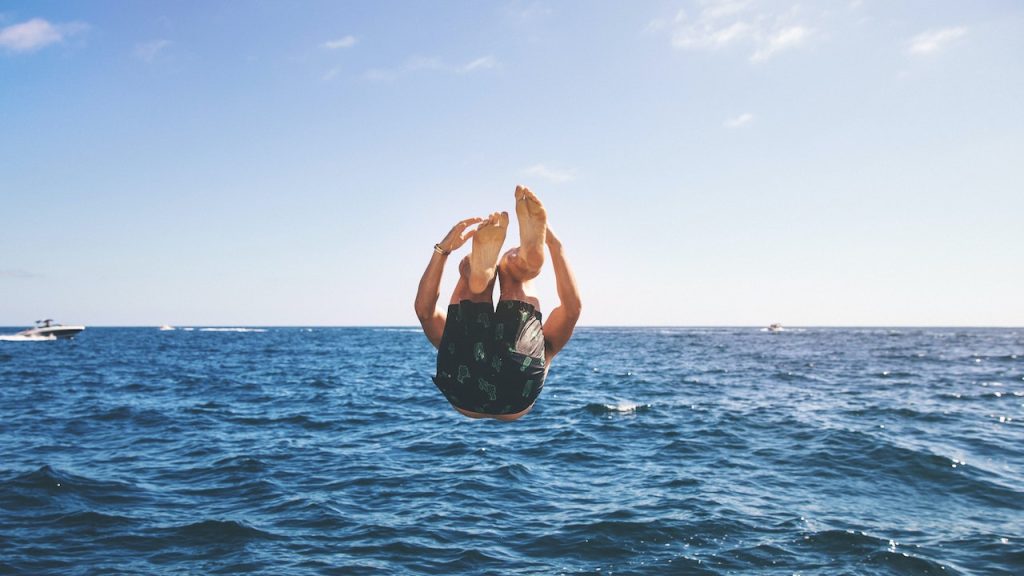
x=491 y=361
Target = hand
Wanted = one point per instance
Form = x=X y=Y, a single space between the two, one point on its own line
x=459 y=235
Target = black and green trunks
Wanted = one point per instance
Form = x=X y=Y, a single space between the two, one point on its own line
x=491 y=361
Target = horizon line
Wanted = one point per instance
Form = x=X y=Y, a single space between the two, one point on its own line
x=687 y=326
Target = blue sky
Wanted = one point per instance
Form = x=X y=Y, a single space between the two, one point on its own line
x=705 y=162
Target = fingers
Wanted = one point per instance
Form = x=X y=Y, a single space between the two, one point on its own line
x=469 y=221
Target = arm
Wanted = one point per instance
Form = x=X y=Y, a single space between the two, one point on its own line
x=562 y=320
x=431 y=317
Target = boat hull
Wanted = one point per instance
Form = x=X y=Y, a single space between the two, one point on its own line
x=58 y=332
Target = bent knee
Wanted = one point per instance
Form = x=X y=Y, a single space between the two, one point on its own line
x=514 y=266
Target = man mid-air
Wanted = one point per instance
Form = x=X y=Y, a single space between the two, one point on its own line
x=491 y=363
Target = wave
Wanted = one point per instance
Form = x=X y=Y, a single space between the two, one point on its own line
x=846 y=452
x=904 y=562
x=869 y=550
x=44 y=484
x=900 y=414
x=760 y=555
x=232 y=329
x=300 y=420
x=90 y=519
x=141 y=416
x=845 y=540
x=206 y=532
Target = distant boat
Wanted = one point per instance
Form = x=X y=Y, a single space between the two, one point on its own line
x=775 y=327
x=166 y=328
x=46 y=330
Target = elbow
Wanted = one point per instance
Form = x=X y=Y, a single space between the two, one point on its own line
x=423 y=312
x=573 y=309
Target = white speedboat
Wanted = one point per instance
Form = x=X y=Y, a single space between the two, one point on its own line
x=46 y=329
x=776 y=328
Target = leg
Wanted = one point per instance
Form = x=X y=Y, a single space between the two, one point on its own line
x=524 y=263
x=462 y=291
x=483 y=259
x=512 y=286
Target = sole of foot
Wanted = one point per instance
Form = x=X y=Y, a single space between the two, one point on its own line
x=533 y=225
x=483 y=259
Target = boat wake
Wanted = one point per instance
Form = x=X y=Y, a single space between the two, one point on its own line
x=26 y=338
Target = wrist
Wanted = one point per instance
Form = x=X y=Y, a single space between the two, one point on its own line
x=438 y=249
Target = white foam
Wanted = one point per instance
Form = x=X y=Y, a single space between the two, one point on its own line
x=625 y=407
x=232 y=330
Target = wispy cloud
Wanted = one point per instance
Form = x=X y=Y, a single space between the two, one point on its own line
x=425 y=64
x=528 y=11
x=36 y=33
x=340 y=43
x=544 y=172
x=721 y=24
x=784 y=39
x=482 y=63
x=739 y=121
x=148 y=51
x=17 y=273
x=934 y=41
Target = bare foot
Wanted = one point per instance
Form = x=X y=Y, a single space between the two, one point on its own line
x=533 y=227
x=483 y=259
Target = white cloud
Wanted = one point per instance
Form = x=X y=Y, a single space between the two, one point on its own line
x=18 y=273
x=739 y=121
x=425 y=64
x=556 y=175
x=482 y=63
x=531 y=11
x=724 y=8
x=148 y=51
x=380 y=75
x=720 y=24
x=781 y=40
x=706 y=33
x=30 y=35
x=933 y=41
x=346 y=42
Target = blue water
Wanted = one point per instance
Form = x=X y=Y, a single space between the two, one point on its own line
x=651 y=451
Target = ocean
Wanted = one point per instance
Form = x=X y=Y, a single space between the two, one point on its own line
x=650 y=451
